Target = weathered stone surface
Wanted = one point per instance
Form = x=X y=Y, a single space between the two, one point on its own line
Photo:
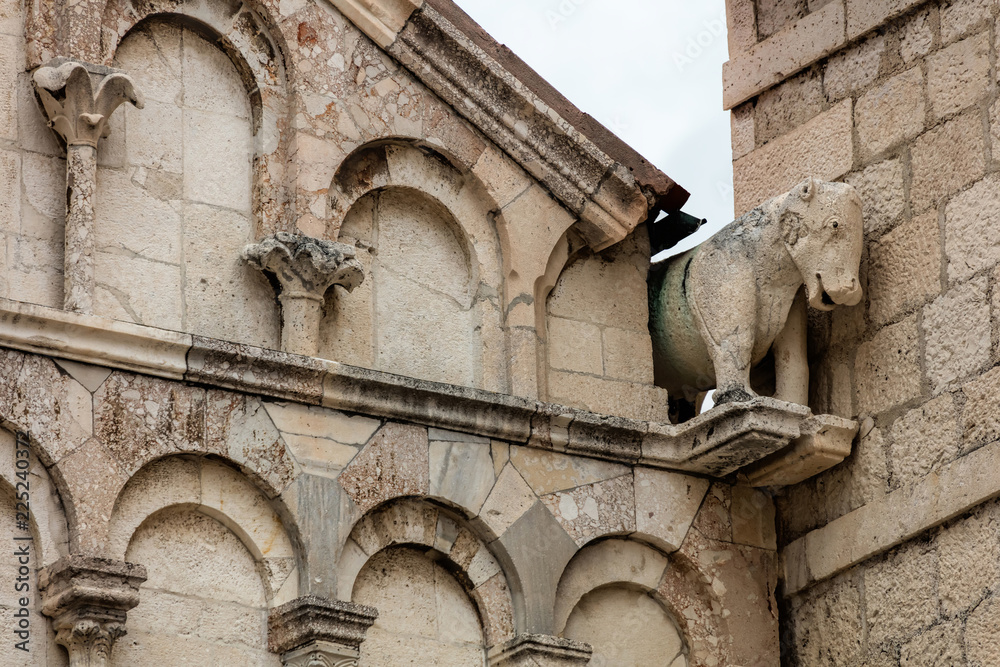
x=904 y=268
x=958 y=75
x=788 y=105
x=891 y=113
x=461 y=473
x=971 y=229
x=887 y=368
x=312 y=618
x=980 y=421
x=320 y=422
x=923 y=439
x=547 y=472
x=854 y=69
x=510 y=498
x=394 y=463
x=882 y=193
x=666 y=504
x=961 y=17
x=595 y=510
x=940 y=645
x=917 y=37
x=894 y=605
x=574 y=346
x=957 y=333
x=946 y=159
x=863 y=15
x=826 y=622
x=982 y=645
x=742 y=128
x=964 y=548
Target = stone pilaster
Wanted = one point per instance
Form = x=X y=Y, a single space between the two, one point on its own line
x=529 y=650
x=305 y=269
x=88 y=600
x=79 y=115
x=311 y=631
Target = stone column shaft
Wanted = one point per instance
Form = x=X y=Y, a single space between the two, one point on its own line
x=79 y=115
x=305 y=269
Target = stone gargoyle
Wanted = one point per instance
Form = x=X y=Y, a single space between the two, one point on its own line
x=717 y=310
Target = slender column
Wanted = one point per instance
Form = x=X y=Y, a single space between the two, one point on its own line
x=529 y=650
x=79 y=115
x=305 y=268
x=88 y=600
x=311 y=631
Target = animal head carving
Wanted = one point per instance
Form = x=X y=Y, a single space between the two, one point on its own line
x=822 y=227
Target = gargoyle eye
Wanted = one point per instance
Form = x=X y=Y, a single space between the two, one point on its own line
x=836 y=224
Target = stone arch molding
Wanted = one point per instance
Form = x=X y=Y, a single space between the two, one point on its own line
x=672 y=580
x=417 y=522
x=219 y=492
x=48 y=521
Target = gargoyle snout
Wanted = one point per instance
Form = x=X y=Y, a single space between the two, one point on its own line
x=847 y=294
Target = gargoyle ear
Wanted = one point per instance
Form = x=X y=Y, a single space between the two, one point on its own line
x=791 y=227
x=807 y=190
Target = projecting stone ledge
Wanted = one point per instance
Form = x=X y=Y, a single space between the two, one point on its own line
x=771 y=441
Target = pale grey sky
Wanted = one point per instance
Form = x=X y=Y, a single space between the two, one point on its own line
x=650 y=70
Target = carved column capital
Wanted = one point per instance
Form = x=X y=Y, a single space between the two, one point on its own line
x=76 y=111
x=311 y=631
x=530 y=650
x=305 y=269
x=88 y=600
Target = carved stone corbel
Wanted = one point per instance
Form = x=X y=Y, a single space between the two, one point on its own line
x=79 y=115
x=311 y=631
x=530 y=650
x=88 y=600
x=305 y=269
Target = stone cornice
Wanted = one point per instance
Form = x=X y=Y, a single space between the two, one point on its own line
x=600 y=190
x=717 y=443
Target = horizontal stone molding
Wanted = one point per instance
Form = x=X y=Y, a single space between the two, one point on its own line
x=802 y=43
x=893 y=519
x=716 y=443
x=379 y=19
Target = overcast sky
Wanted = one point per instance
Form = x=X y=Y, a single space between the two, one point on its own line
x=650 y=70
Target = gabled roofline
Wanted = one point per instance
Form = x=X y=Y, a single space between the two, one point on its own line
x=596 y=175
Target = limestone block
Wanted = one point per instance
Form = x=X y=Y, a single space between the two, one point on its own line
x=503 y=178
x=995 y=128
x=319 y=454
x=311 y=420
x=742 y=25
x=44 y=180
x=11 y=65
x=827 y=623
x=982 y=643
x=11 y=19
x=628 y=355
x=610 y=397
x=510 y=498
x=896 y=606
x=789 y=104
x=547 y=472
x=574 y=346
x=34 y=272
x=980 y=419
x=971 y=229
x=854 y=69
x=917 y=37
x=966 y=568
x=94 y=503
x=602 y=291
x=959 y=75
x=394 y=463
x=946 y=159
x=133 y=289
x=461 y=473
x=863 y=15
x=822 y=147
x=773 y=16
x=211 y=82
x=666 y=504
x=961 y=17
x=825 y=442
x=904 y=268
x=134 y=219
x=940 y=645
x=887 y=368
x=217 y=169
x=742 y=127
x=786 y=52
x=923 y=439
x=957 y=333
x=156 y=52
x=152 y=136
x=891 y=113
x=592 y=511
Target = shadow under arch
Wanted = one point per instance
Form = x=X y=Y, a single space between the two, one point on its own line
x=215 y=489
x=673 y=580
x=455 y=543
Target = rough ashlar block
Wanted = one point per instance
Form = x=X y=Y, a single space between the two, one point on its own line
x=946 y=159
x=959 y=75
x=904 y=268
x=887 y=368
x=957 y=333
x=972 y=229
x=891 y=113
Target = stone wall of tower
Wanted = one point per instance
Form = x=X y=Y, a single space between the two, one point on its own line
x=889 y=558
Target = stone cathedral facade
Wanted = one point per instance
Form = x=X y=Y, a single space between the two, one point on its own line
x=324 y=341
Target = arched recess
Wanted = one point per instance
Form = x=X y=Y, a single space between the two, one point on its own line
x=220 y=493
x=427 y=232
x=442 y=537
x=614 y=586
x=47 y=542
x=186 y=182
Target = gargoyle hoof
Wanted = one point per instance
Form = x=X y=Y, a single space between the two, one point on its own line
x=734 y=395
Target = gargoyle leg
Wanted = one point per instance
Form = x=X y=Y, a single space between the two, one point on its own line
x=732 y=369
x=791 y=365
